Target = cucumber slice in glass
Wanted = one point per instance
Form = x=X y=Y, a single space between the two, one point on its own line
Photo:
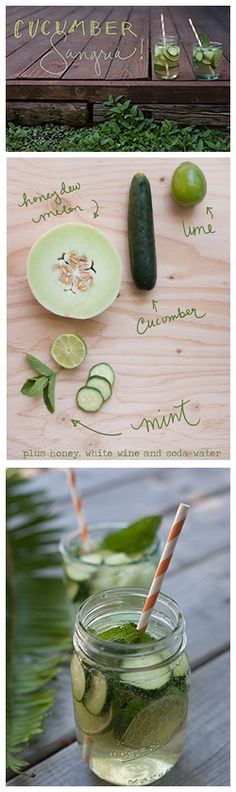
x=95 y=698
x=77 y=572
x=72 y=589
x=92 y=558
x=89 y=399
x=157 y=724
x=101 y=384
x=172 y=52
x=103 y=370
x=78 y=678
x=198 y=56
x=153 y=679
x=91 y=724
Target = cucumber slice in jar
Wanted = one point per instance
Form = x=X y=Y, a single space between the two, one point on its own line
x=78 y=678
x=103 y=370
x=91 y=724
x=217 y=57
x=95 y=559
x=72 y=589
x=95 y=698
x=146 y=678
x=101 y=384
x=182 y=666
x=172 y=52
x=89 y=399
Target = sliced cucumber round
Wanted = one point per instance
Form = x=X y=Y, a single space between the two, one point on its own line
x=172 y=52
x=89 y=399
x=217 y=57
x=95 y=698
x=198 y=56
x=103 y=370
x=91 y=724
x=157 y=724
x=182 y=666
x=77 y=572
x=78 y=678
x=95 y=559
x=101 y=384
x=147 y=679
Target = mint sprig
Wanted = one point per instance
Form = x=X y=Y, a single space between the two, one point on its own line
x=135 y=538
x=125 y=634
x=43 y=385
x=204 y=39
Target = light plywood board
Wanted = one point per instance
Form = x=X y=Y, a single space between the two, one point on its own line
x=185 y=359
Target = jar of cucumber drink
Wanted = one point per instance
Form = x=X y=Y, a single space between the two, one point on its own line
x=116 y=555
x=130 y=689
x=207 y=61
x=167 y=57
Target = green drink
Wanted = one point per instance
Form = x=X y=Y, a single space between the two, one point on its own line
x=207 y=61
x=130 y=690
x=167 y=57
x=100 y=567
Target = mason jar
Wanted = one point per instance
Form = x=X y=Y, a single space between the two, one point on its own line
x=167 y=57
x=207 y=61
x=130 y=699
x=87 y=573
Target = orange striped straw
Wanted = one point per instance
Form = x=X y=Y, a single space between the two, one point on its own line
x=78 y=506
x=164 y=562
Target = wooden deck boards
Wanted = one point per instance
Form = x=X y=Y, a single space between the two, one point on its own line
x=54 y=757
x=61 y=77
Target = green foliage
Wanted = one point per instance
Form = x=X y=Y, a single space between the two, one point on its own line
x=38 y=614
x=43 y=385
x=126 y=129
x=136 y=538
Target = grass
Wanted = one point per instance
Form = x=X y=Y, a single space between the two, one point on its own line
x=126 y=129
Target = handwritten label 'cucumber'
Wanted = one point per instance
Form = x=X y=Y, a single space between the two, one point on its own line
x=143 y=325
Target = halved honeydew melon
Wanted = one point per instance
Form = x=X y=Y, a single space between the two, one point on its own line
x=44 y=280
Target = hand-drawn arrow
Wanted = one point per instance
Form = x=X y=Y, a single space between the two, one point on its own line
x=154 y=305
x=209 y=211
x=96 y=213
x=75 y=422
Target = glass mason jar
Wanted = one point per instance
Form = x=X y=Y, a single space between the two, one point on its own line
x=207 y=61
x=167 y=57
x=87 y=573
x=130 y=700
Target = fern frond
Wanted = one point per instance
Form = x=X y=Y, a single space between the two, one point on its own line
x=38 y=614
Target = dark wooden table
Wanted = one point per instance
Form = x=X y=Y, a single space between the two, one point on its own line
x=197 y=578
x=44 y=81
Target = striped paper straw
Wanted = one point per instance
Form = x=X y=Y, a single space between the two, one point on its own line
x=164 y=39
x=164 y=562
x=86 y=750
x=195 y=32
x=78 y=506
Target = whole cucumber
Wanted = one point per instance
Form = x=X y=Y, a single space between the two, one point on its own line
x=142 y=249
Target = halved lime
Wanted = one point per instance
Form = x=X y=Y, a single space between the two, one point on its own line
x=158 y=722
x=69 y=350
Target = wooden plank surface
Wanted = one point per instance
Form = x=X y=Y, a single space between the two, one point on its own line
x=136 y=48
x=205 y=759
x=203 y=559
x=184 y=360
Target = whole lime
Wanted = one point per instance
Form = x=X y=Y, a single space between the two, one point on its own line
x=188 y=184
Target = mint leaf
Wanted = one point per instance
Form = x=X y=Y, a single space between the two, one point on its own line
x=134 y=539
x=34 y=387
x=49 y=393
x=37 y=365
x=125 y=634
x=205 y=41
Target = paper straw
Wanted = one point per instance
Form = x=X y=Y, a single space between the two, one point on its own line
x=195 y=32
x=164 y=39
x=87 y=741
x=78 y=507
x=164 y=562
